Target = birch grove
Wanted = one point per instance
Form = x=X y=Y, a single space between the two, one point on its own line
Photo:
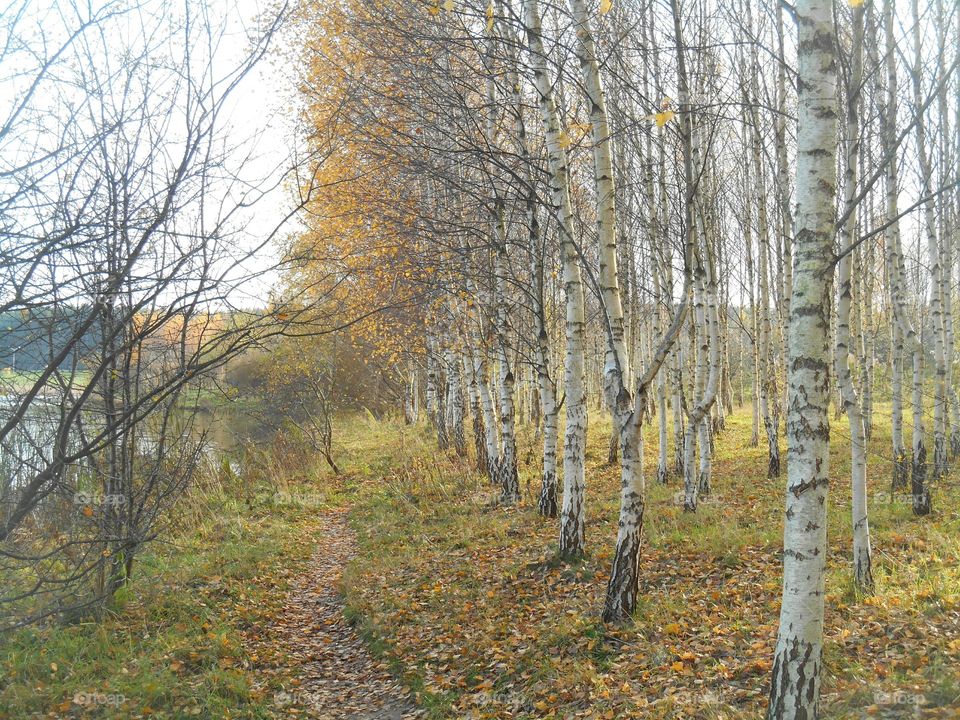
x=632 y=213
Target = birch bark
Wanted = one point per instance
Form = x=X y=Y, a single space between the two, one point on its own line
x=572 y=514
x=895 y=271
x=934 y=264
x=843 y=357
x=795 y=682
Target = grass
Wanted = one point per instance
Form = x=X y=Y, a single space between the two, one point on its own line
x=468 y=602
x=490 y=624
x=189 y=640
x=175 y=648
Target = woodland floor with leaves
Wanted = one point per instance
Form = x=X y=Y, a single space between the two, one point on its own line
x=489 y=624
x=451 y=606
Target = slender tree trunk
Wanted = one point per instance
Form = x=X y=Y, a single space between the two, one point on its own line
x=768 y=395
x=616 y=363
x=454 y=404
x=901 y=469
x=411 y=396
x=795 y=682
x=664 y=288
x=623 y=586
x=431 y=390
x=662 y=271
x=676 y=403
x=547 y=503
x=572 y=514
x=896 y=272
x=440 y=412
x=481 y=375
x=616 y=370
x=750 y=283
x=476 y=416
x=844 y=359
x=936 y=271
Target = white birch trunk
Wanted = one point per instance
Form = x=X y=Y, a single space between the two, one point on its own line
x=895 y=266
x=767 y=385
x=505 y=468
x=411 y=400
x=481 y=376
x=949 y=219
x=934 y=259
x=572 y=514
x=616 y=360
x=623 y=586
x=795 y=682
x=476 y=415
x=431 y=389
x=455 y=408
x=843 y=357
x=754 y=320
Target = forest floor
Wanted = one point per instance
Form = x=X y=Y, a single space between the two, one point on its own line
x=490 y=624
x=336 y=676
x=461 y=606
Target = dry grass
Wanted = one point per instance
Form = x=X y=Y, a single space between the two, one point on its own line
x=470 y=600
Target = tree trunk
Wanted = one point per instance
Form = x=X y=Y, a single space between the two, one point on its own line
x=768 y=395
x=843 y=358
x=623 y=586
x=572 y=514
x=455 y=408
x=795 y=682
x=895 y=270
x=936 y=271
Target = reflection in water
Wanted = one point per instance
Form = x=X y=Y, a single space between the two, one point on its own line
x=216 y=435
x=73 y=546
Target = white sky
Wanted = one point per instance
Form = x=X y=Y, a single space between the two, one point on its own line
x=259 y=115
x=255 y=120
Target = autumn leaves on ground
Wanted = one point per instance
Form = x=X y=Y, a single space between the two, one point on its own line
x=487 y=623
x=464 y=609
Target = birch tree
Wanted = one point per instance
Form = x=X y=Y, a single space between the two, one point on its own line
x=572 y=515
x=905 y=336
x=797 y=663
x=843 y=357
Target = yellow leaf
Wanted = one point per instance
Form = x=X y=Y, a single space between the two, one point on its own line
x=448 y=5
x=564 y=140
x=490 y=17
x=88 y=511
x=433 y=10
x=856 y=3
x=677 y=666
x=672 y=629
x=605 y=6
x=662 y=118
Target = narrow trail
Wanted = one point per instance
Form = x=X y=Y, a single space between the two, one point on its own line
x=340 y=679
